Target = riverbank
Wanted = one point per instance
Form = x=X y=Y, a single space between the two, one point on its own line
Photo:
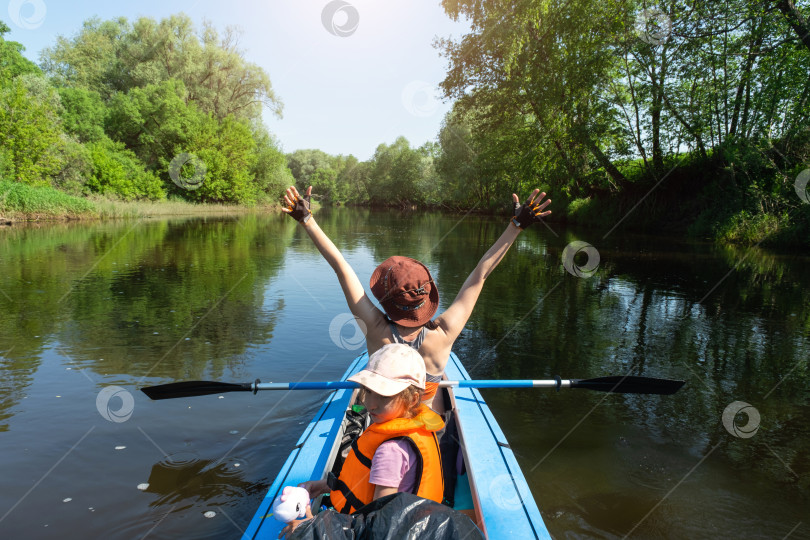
x=736 y=194
x=707 y=198
x=24 y=203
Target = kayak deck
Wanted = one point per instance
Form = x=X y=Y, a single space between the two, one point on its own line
x=500 y=492
x=501 y=503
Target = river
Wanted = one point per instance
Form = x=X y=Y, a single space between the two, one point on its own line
x=92 y=312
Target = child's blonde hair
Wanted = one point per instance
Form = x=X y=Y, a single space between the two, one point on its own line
x=409 y=399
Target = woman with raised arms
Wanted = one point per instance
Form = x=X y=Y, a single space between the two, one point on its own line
x=407 y=293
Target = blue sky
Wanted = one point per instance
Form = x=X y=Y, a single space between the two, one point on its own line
x=343 y=94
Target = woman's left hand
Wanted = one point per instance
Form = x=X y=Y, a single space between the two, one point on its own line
x=296 y=206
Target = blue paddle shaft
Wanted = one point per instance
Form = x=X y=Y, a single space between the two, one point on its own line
x=332 y=385
x=616 y=384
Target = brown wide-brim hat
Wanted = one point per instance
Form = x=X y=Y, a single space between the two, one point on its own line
x=406 y=291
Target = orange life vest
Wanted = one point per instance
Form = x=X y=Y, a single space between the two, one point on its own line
x=352 y=489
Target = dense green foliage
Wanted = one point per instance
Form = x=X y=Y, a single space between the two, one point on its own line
x=690 y=114
x=396 y=175
x=666 y=114
x=116 y=171
x=29 y=130
x=610 y=102
x=596 y=85
x=113 y=106
x=116 y=56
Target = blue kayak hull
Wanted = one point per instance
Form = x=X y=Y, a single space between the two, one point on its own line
x=499 y=498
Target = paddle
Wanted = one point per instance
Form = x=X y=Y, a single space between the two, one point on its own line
x=614 y=384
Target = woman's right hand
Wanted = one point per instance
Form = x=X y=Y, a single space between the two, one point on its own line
x=296 y=206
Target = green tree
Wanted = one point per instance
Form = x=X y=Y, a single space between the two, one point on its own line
x=304 y=163
x=116 y=56
x=269 y=171
x=84 y=113
x=92 y=59
x=12 y=62
x=456 y=163
x=29 y=123
x=483 y=158
x=30 y=131
x=428 y=183
x=395 y=175
x=324 y=182
x=159 y=124
x=228 y=151
x=117 y=172
x=546 y=62
x=352 y=181
x=154 y=121
x=77 y=167
x=317 y=169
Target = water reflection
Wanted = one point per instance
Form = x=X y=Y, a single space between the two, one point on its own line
x=122 y=297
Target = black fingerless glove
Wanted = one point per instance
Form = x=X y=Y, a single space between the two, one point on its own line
x=300 y=210
x=526 y=214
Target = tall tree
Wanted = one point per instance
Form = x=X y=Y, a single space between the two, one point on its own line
x=30 y=130
x=796 y=20
x=544 y=59
x=12 y=62
x=116 y=56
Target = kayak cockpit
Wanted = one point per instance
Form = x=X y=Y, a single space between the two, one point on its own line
x=488 y=486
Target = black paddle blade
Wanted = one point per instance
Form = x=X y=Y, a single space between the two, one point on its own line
x=629 y=385
x=194 y=388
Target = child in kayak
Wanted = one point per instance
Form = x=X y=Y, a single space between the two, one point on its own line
x=399 y=451
x=407 y=292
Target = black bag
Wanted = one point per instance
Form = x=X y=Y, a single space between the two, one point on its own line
x=394 y=517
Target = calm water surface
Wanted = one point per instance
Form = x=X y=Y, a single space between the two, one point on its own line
x=90 y=313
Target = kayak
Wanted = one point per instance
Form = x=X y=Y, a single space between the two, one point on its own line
x=491 y=488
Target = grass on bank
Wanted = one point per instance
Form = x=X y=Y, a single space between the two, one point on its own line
x=21 y=202
x=111 y=209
